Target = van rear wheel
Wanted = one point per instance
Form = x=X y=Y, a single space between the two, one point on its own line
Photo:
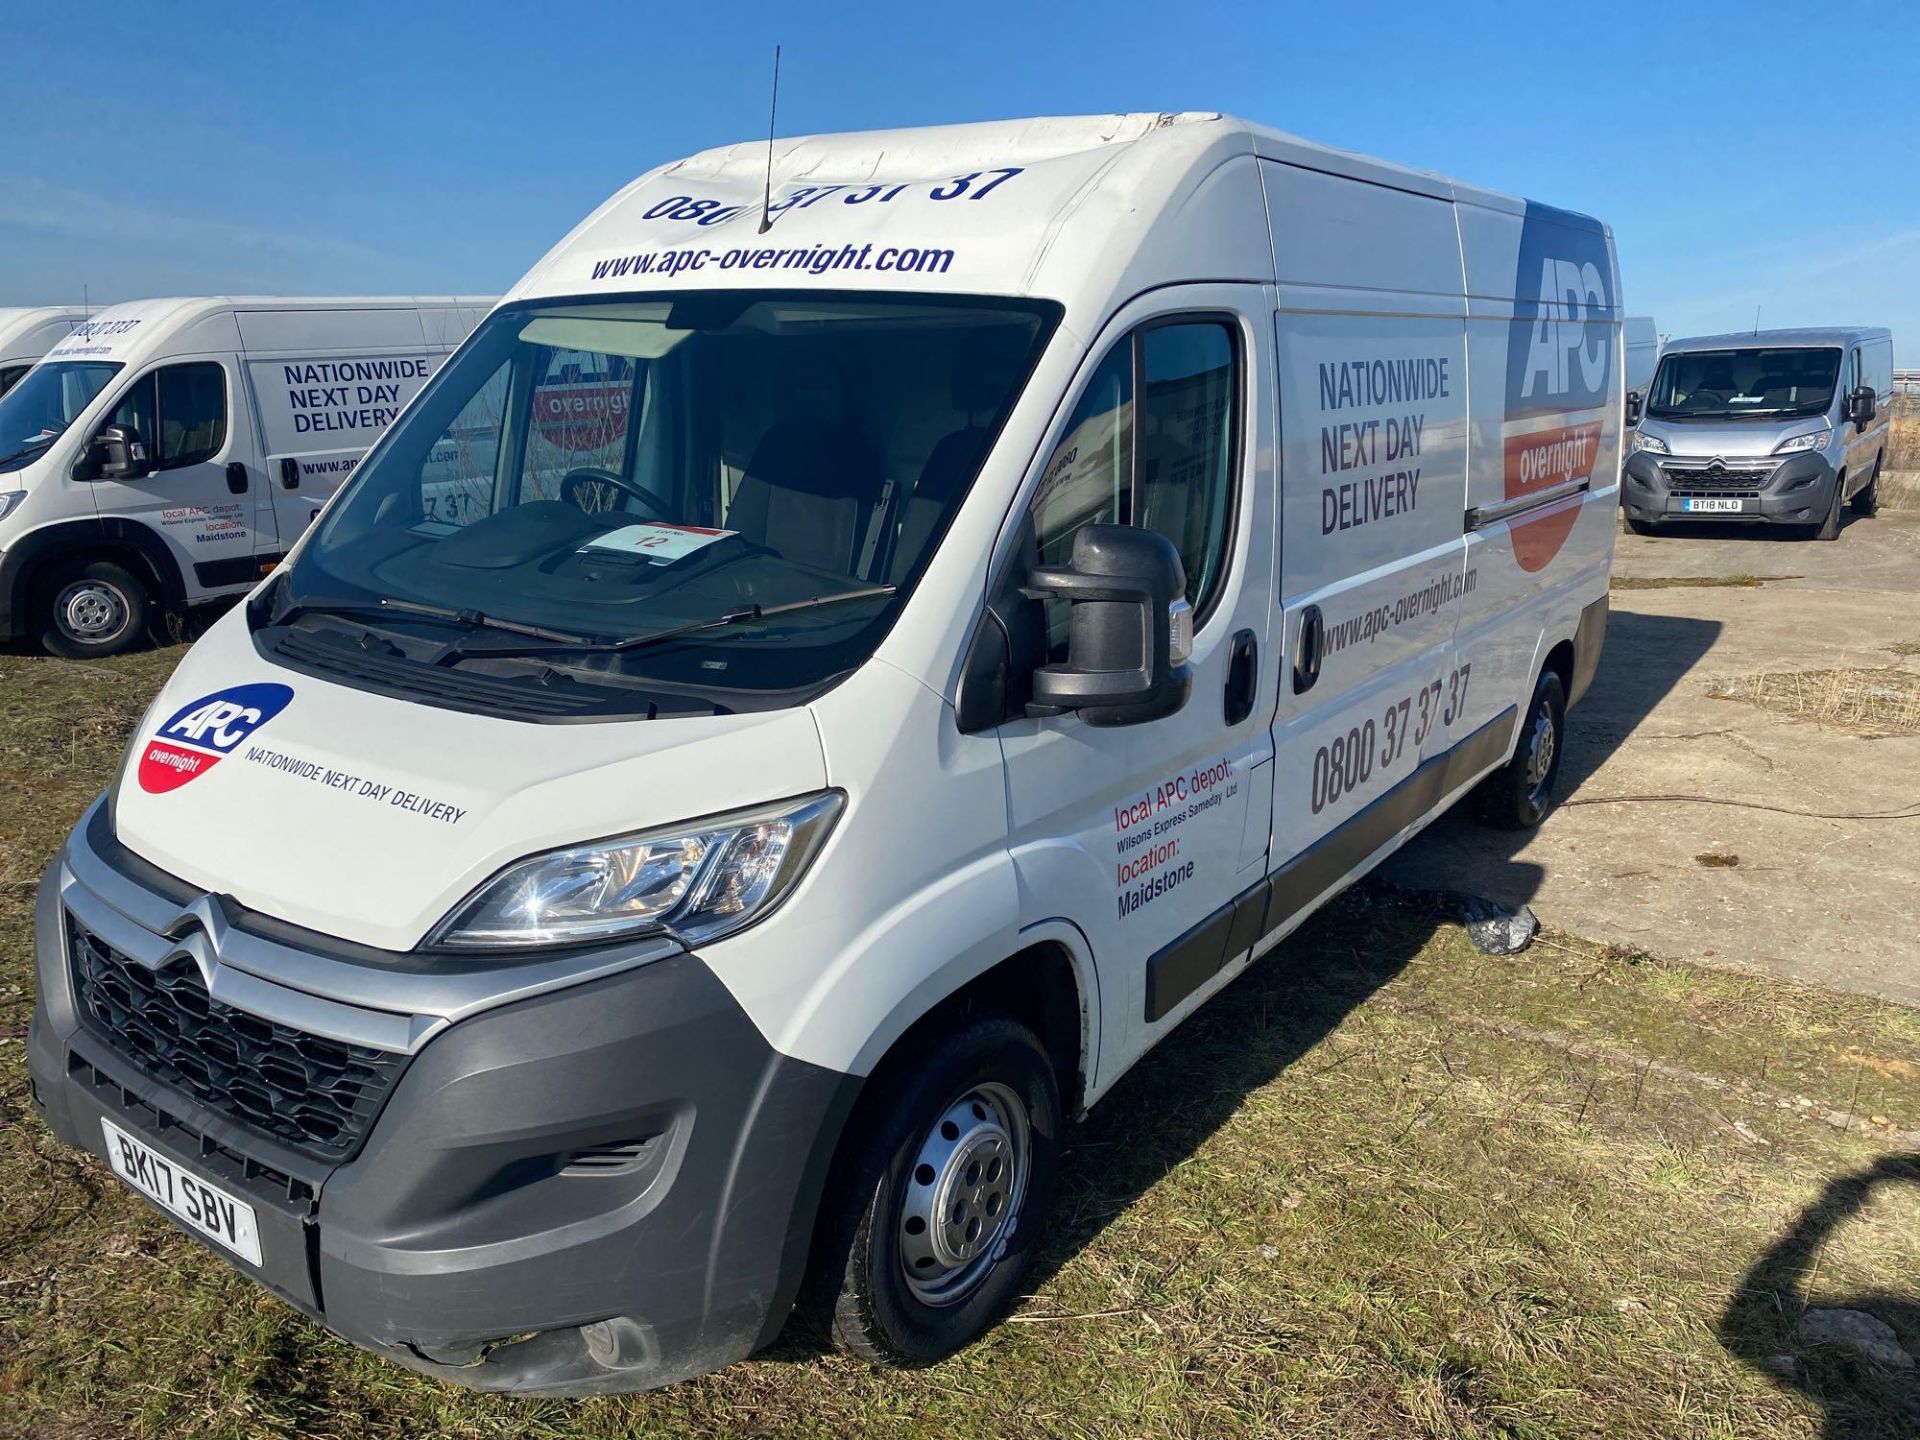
x=92 y=610
x=938 y=1200
x=1519 y=794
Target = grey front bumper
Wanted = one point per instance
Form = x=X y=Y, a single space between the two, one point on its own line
x=1798 y=492
x=622 y=1170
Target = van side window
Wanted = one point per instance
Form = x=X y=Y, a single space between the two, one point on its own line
x=179 y=412
x=1165 y=463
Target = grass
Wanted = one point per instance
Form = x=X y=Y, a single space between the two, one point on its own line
x=1877 y=702
x=1900 y=477
x=1384 y=1186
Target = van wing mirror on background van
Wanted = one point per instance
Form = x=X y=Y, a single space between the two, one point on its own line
x=1860 y=405
x=116 y=453
x=1635 y=403
x=1129 y=631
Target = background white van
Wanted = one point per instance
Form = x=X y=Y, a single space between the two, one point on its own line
x=1641 y=342
x=27 y=333
x=168 y=452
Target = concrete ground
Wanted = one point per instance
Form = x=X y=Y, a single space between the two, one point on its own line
x=1834 y=902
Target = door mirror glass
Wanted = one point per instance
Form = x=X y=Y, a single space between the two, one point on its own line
x=117 y=453
x=1129 y=628
x=1634 y=404
x=1860 y=406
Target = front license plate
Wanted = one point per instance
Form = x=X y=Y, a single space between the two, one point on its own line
x=1698 y=505
x=203 y=1207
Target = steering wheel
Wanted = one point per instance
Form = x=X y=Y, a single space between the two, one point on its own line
x=585 y=488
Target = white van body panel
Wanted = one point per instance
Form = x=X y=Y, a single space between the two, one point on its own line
x=953 y=848
x=28 y=332
x=308 y=385
x=1642 y=343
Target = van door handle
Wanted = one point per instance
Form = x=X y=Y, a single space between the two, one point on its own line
x=289 y=473
x=1243 y=676
x=236 y=477
x=1309 y=650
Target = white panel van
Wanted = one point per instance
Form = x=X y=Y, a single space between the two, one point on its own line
x=168 y=452
x=803 y=700
x=28 y=333
x=1642 y=347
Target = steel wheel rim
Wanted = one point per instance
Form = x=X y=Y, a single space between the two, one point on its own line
x=91 y=610
x=963 y=1194
x=1542 y=743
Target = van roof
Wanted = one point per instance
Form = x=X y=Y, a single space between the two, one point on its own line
x=135 y=330
x=1838 y=336
x=1093 y=194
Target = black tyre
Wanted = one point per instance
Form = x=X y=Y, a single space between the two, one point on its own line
x=1867 y=502
x=1519 y=794
x=938 y=1198
x=93 y=609
x=1829 y=528
x=1639 y=527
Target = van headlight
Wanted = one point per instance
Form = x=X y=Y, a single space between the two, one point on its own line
x=695 y=882
x=1815 y=441
x=9 y=500
x=1652 y=444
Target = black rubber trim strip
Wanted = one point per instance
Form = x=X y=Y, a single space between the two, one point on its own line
x=1186 y=963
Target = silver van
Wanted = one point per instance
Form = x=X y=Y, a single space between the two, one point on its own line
x=1777 y=426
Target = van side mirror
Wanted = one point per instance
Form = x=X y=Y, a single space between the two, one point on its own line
x=117 y=453
x=1130 y=628
x=1635 y=403
x=1860 y=406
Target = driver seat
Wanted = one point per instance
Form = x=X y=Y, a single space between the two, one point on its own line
x=809 y=492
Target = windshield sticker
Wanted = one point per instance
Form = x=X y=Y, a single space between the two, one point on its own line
x=203 y=731
x=656 y=540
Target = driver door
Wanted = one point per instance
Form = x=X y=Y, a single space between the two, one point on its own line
x=1146 y=835
x=200 y=497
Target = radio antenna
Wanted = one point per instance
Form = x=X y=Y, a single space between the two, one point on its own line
x=773 y=111
x=1756 y=319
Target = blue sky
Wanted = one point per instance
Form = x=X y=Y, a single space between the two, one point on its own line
x=1744 y=155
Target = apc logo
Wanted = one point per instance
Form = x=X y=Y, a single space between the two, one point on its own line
x=200 y=733
x=1559 y=371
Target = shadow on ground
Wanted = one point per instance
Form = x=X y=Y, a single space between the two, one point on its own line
x=1857 y=1397
x=1645 y=658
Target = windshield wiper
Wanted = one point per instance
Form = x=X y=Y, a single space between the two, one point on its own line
x=38 y=442
x=744 y=616
x=469 y=620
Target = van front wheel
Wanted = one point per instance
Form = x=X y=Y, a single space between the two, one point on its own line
x=1518 y=795
x=938 y=1201
x=92 y=610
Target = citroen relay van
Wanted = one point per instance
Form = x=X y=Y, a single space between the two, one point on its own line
x=169 y=452
x=27 y=334
x=1776 y=427
x=807 y=697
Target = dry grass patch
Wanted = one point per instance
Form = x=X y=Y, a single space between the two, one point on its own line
x=1700 y=582
x=1868 y=702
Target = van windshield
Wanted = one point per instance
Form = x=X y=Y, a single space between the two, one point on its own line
x=1720 y=383
x=588 y=476
x=35 y=412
